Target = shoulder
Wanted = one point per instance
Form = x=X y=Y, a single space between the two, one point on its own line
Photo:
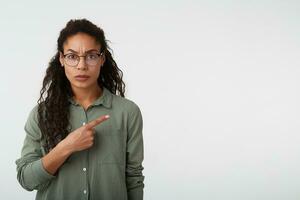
x=33 y=114
x=31 y=126
x=125 y=104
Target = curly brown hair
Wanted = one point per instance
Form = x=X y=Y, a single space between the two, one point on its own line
x=53 y=104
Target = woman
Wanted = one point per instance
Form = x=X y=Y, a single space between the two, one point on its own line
x=83 y=141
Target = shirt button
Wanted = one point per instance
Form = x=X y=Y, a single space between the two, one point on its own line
x=84 y=191
x=84 y=169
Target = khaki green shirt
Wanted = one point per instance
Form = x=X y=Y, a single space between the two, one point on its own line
x=110 y=170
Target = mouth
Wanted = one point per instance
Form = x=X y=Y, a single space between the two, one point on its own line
x=81 y=77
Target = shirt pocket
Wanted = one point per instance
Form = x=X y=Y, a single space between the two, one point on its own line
x=111 y=146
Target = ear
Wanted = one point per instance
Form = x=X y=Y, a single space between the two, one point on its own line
x=103 y=59
x=61 y=60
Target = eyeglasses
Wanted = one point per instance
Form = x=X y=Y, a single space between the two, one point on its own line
x=91 y=59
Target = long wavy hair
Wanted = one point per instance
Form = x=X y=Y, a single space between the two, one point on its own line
x=53 y=104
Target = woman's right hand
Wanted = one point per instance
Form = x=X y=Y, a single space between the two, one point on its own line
x=83 y=137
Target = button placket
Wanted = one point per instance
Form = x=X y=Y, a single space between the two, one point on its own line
x=84 y=168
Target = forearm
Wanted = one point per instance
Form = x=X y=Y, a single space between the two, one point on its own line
x=34 y=172
x=55 y=158
x=135 y=182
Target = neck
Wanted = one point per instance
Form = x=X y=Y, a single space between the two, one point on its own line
x=87 y=95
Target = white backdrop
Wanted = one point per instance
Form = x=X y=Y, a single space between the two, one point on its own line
x=217 y=83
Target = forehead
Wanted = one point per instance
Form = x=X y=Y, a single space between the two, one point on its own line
x=81 y=42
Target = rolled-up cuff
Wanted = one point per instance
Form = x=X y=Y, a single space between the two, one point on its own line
x=39 y=171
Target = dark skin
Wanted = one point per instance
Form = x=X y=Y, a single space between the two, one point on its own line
x=85 y=92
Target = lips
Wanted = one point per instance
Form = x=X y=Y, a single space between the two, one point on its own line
x=82 y=76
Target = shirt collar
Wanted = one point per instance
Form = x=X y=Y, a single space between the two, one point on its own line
x=105 y=99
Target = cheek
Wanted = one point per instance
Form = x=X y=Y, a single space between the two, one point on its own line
x=95 y=73
x=69 y=75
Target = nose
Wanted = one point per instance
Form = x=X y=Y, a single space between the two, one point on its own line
x=81 y=64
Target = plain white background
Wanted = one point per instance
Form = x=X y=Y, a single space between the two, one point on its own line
x=217 y=83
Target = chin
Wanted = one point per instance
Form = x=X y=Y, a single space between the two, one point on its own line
x=81 y=84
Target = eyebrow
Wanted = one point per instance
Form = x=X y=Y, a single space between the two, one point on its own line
x=84 y=52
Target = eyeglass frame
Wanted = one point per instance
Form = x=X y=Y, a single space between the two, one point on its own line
x=98 y=53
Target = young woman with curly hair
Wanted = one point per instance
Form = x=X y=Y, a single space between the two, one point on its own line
x=83 y=138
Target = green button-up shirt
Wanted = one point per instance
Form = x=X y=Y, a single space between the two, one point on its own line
x=110 y=170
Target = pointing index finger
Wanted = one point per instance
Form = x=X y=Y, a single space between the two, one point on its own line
x=97 y=121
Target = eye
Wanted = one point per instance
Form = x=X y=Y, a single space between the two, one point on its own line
x=92 y=56
x=71 y=56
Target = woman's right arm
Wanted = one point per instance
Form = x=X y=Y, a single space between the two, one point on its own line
x=30 y=171
x=35 y=169
x=78 y=140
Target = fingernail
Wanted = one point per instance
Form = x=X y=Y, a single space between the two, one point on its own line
x=106 y=116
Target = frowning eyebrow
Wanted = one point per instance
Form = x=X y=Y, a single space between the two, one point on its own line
x=90 y=50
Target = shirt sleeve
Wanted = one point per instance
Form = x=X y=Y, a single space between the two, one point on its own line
x=30 y=171
x=135 y=155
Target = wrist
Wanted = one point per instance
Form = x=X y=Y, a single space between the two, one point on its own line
x=64 y=149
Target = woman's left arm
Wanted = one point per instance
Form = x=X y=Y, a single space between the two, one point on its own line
x=135 y=155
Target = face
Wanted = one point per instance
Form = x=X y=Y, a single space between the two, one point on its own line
x=82 y=44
